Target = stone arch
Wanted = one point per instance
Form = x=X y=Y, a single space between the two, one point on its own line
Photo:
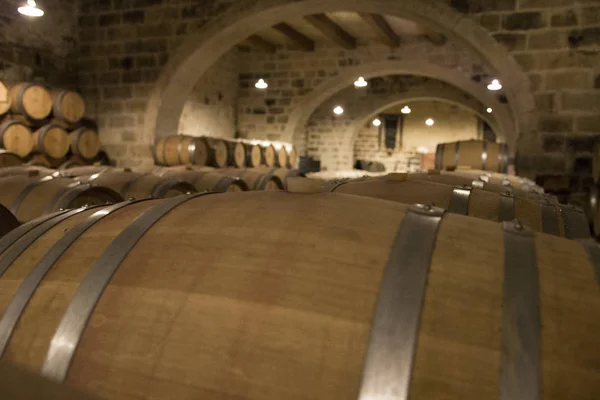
x=201 y=49
x=302 y=112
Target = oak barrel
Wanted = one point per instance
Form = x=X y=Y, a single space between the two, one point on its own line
x=166 y=299
x=253 y=154
x=31 y=100
x=31 y=197
x=68 y=105
x=8 y=221
x=4 y=99
x=255 y=178
x=203 y=180
x=236 y=153
x=85 y=143
x=27 y=170
x=282 y=159
x=269 y=155
x=9 y=159
x=293 y=158
x=51 y=141
x=73 y=162
x=16 y=137
x=131 y=184
x=543 y=215
x=478 y=154
x=183 y=150
x=281 y=173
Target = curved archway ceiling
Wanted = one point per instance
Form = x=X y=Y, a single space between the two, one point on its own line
x=343 y=28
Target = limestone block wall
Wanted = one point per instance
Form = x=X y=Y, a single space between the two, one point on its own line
x=38 y=49
x=211 y=109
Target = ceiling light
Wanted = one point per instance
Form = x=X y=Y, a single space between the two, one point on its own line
x=261 y=84
x=422 y=149
x=489 y=110
x=30 y=9
x=495 y=85
x=406 y=110
x=429 y=122
x=376 y=122
x=360 y=82
x=338 y=110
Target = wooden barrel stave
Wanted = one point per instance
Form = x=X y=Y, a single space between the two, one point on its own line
x=293 y=158
x=31 y=100
x=16 y=137
x=256 y=179
x=461 y=321
x=68 y=106
x=29 y=198
x=5 y=100
x=85 y=143
x=51 y=141
x=9 y=159
x=281 y=173
x=26 y=170
x=203 y=180
x=479 y=203
x=269 y=155
x=253 y=154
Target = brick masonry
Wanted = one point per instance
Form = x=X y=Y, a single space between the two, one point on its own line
x=124 y=44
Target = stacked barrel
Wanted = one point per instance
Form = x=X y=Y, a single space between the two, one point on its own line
x=46 y=127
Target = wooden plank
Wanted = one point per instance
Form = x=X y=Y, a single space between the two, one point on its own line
x=299 y=39
x=333 y=31
x=260 y=43
x=384 y=31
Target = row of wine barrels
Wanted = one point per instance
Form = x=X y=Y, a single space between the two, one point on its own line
x=9 y=159
x=203 y=180
x=35 y=102
x=220 y=153
x=187 y=298
x=29 y=197
x=478 y=154
x=542 y=215
x=51 y=140
x=130 y=184
x=17 y=383
x=8 y=221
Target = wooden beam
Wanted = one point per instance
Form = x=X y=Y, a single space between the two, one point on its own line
x=436 y=38
x=333 y=31
x=261 y=44
x=301 y=40
x=379 y=24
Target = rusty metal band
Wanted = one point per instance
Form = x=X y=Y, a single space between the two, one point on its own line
x=484 y=155
x=478 y=184
x=66 y=338
x=575 y=222
x=394 y=332
x=506 y=211
x=74 y=136
x=11 y=237
x=223 y=184
x=31 y=236
x=439 y=156
x=549 y=217
x=14 y=207
x=32 y=281
x=161 y=189
x=521 y=323
x=73 y=193
x=51 y=204
x=191 y=149
x=456 y=154
x=593 y=249
x=459 y=202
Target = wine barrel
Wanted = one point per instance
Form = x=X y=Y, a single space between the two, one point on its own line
x=27 y=170
x=72 y=163
x=31 y=100
x=8 y=222
x=183 y=150
x=17 y=383
x=236 y=154
x=494 y=177
x=16 y=137
x=9 y=159
x=544 y=215
x=68 y=105
x=269 y=155
x=51 y=141
x=31 y=197
x=4 y=99
x=282 y=159
x=478 y=154
x=208 y=180
x=85 y=143
x=253 y=154
x=281 y=173
x=256 y=179
x=293 y=158
x=134 y=185
x=167 y=299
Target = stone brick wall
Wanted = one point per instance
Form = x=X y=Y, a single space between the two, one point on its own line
x=557 y=42
x=38 y=49
x=292 y=74
x=211 y=109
